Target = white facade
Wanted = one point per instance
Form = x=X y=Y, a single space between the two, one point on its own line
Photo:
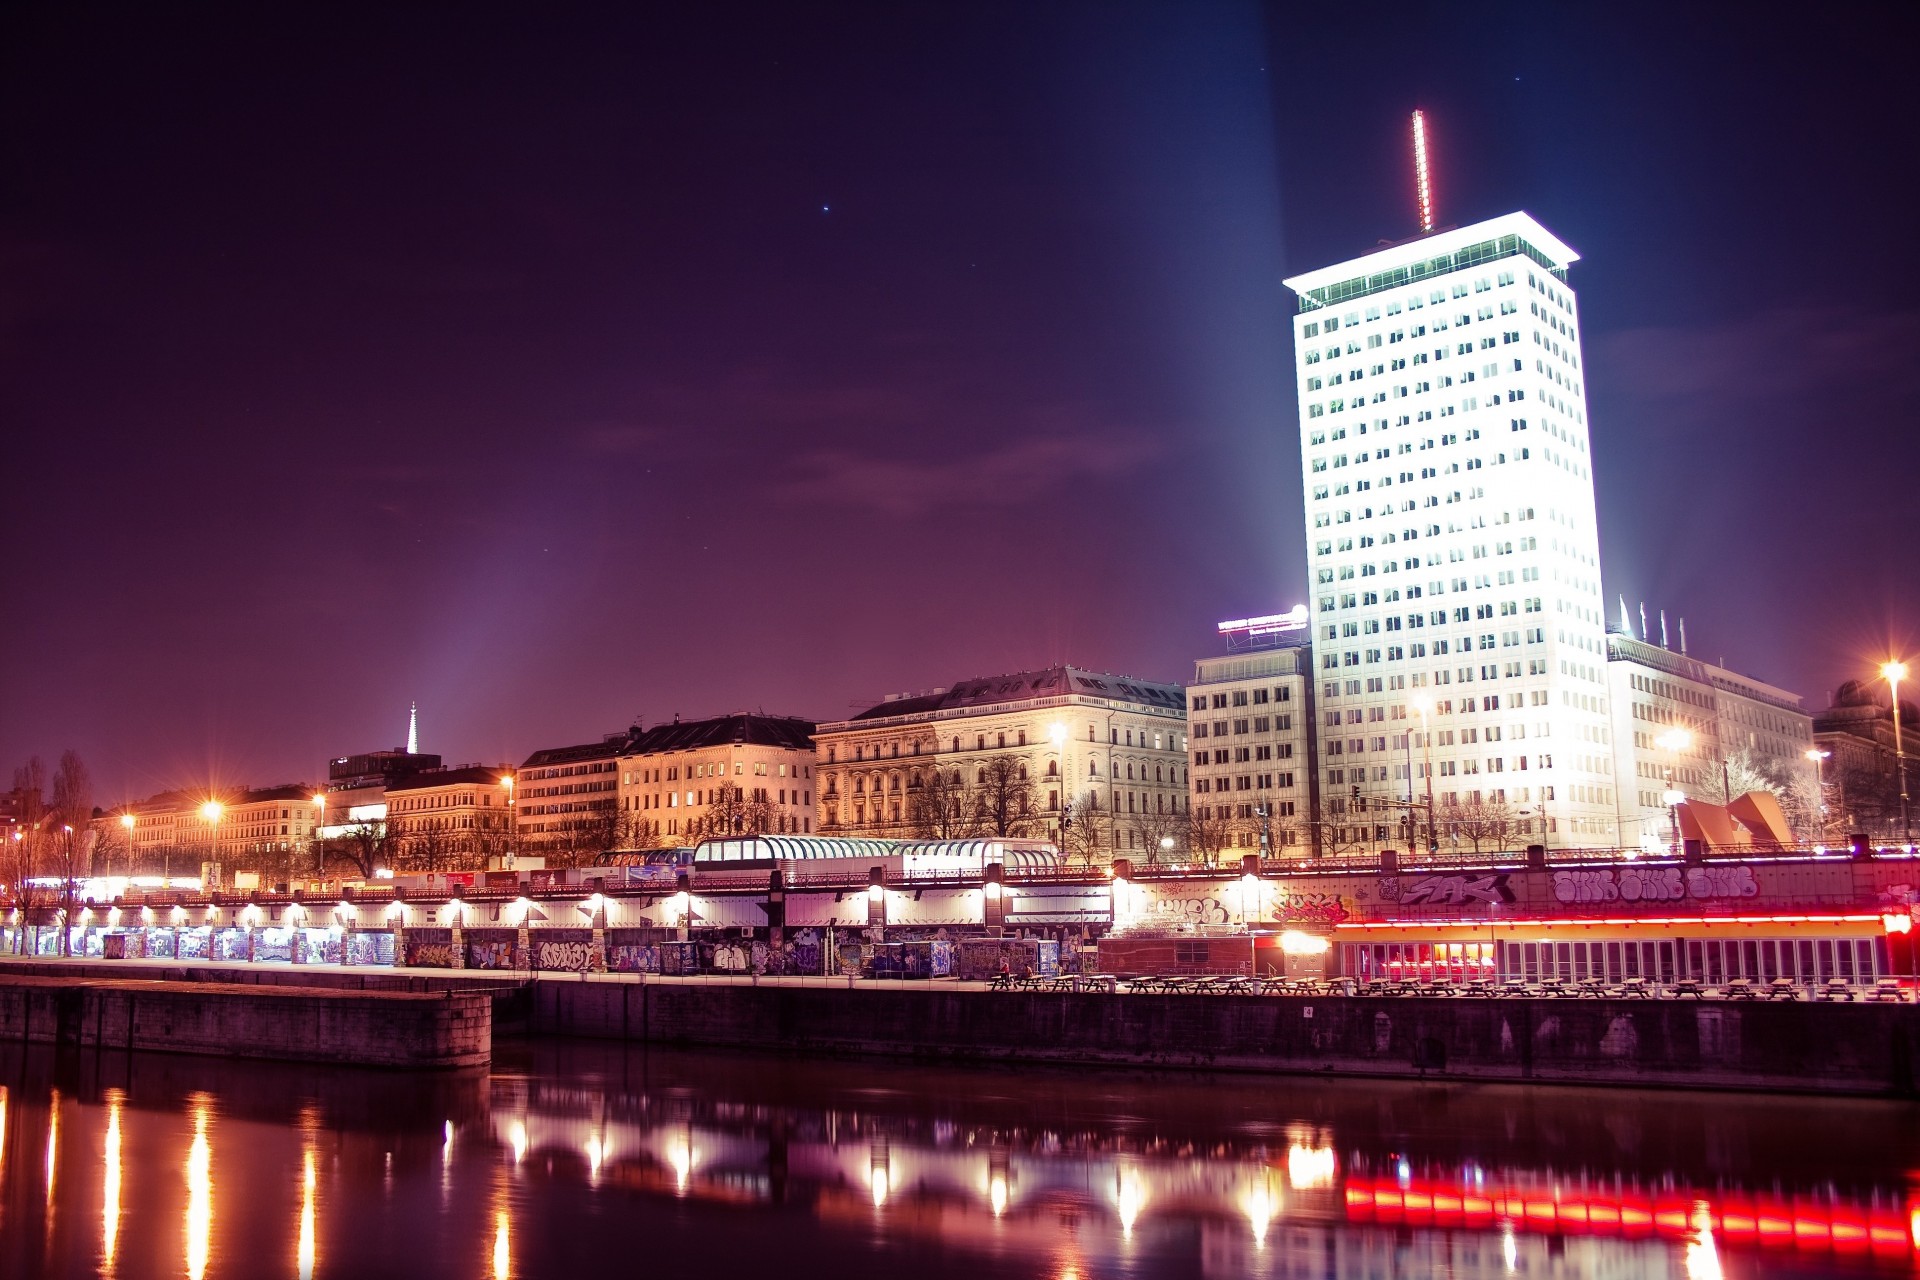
x=1451 y=533
x=1248 y=717
x=1738 y=730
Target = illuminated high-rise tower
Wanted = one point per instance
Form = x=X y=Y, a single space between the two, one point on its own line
x=1452 y=550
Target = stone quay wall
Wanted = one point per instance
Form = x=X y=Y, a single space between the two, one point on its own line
x=1861 y=1049
x=312 y=1025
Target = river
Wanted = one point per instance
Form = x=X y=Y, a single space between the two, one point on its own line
x=579 y=1160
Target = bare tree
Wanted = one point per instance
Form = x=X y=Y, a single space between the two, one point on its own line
x=1209 y=830
x=1081 y=838
x=1003 y=798
x=70 y=820
x=733 y=812
x=1341 y=834
x=1481 y=822
x=937 y=805
x=368 y=845
x=1161 y=835
x=427 y=849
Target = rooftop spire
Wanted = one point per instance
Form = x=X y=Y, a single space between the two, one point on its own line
x=1422 y=180
x=413 y=729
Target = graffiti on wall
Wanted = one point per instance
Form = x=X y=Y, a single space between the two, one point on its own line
x=1453 y=891
x=1308 y=908
x=571 y=951
x=1655 y=884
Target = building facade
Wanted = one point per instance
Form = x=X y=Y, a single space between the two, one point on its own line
x=1013 y=755
x=566 y=799
x=690 y=780
x=1451 y=534
x=445 y=818
x=243 y=827
x=1737 y=734
x=1249 y=726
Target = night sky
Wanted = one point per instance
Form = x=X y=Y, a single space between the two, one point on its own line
x=558 y=367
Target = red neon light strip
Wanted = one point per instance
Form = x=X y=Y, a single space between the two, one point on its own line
x=1764 y=1221
x=1554 y=923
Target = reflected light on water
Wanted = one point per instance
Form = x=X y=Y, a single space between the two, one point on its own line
x=680 y=1156
x=997 y=1192
x=110 y=1184
x=1702 y=1258
x=53 y=1142
x=306 y=1211
x=502 y=1253
x=1509 y=1248
x=1260 y=1206
x=199 y=1190
x=1309 y=1168
x=1129 y=1198
x=880 y=1177
x=518 y=1137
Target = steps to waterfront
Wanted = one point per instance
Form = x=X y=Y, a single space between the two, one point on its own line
x=312 y=1024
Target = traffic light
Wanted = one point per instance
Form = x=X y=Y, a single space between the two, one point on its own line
x=1066 y=815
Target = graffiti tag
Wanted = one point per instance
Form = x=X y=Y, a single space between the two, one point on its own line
x=1454 y=890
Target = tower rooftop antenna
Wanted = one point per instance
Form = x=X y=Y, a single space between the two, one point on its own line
x=413 y=729
x=1422 y=177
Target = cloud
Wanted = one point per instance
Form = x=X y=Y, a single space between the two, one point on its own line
x=1009 y=475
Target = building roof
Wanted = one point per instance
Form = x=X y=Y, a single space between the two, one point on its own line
x=1417 y=258
x=607 y=748
x=466 y=775
x=719 y=731
x=1022 y=686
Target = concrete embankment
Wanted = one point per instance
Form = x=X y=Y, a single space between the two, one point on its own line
x=365 y=1028
x=508 y=990
x=1865 y=1049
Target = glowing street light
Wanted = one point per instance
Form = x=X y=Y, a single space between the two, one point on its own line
x=1819 y=759
x=1893 y=673
x=1673 y=742
x=1423 y=706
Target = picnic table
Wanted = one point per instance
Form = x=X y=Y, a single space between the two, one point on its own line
x=1637 y=989
x=1837 y=989
x=1740 y=989
x=1887 y=991
x=1689 y=987
x=1783 y=989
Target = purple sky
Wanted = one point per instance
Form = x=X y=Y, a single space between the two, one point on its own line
x=554 y=371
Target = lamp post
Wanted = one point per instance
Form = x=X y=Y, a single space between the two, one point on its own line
x=126 y=824
x=1673 y=742
x=1057 y=734
x=211 y=811
x=1424 y=705
x=319 y=821
x=1819 y=759
x=506 y=784
x=1895 y=672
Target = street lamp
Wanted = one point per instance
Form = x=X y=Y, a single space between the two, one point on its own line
x=211 y=811
x=1673 y=742
x=1057 y=734
x=1424 y=705
x=319 y=821
x=1819 y=759
x=126 y=821
x=1894 y=673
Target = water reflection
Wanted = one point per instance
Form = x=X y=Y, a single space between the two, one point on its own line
x=110 y=1184
x=199 y=1190
x=571 y=1156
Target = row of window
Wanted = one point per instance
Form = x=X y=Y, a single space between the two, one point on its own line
x=1245 y=724
x=1242 y=697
